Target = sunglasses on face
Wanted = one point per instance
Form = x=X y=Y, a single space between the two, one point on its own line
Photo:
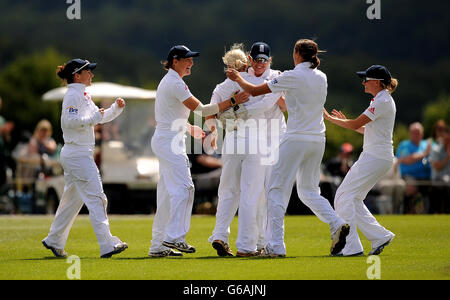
x=261 y=60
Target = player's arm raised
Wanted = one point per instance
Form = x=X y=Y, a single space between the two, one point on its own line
x=339 y=119
x=254 y=90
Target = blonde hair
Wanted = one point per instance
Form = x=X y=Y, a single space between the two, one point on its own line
x=235 y=58
x=43 y=124
x=392 y=86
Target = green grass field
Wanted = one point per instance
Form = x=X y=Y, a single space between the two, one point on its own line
x=421 y=250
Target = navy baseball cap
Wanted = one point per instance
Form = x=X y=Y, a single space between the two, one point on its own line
x=376 y=72
x=77 y=64
x=181 y=51
x=260 y=49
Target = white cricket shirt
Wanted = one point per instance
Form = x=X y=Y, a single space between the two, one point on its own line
x=79 y=116
x=306 y=92
x=378 y=132
x=169 y=107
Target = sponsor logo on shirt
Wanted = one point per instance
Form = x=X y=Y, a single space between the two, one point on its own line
x=372 y=110
x=274 y=81
x=186 y=87
x=72 y=110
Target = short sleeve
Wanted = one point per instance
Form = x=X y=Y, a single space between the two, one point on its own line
x=376 y=110
x=282 y=83
x=181 y=91
x=224 y=91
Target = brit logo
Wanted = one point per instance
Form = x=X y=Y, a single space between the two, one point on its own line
x=372 y=110
x=72 y=110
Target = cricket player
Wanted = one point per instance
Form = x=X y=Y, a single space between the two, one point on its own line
x=302 y=147
x=243 y=172
x=175 y=190
x=376 y=123
x=82 y=179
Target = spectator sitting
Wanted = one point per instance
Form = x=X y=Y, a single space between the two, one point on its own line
x=438 y=132
x=341 y=164
x=5 y=148
x=205 y=170
x=42 y=142
x=440 y=174
x=412 y=156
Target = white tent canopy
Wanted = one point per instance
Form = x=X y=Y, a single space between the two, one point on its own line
x=104 y=90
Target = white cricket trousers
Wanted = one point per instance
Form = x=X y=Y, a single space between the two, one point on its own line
x=240 y=188
x=175 y=191
x=299 y=159
x=82 y=186
x=361 y=178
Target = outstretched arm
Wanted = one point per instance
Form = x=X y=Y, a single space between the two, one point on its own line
x=254 y=90
x=339 y=119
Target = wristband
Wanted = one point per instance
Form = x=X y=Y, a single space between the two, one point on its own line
x=233 y=102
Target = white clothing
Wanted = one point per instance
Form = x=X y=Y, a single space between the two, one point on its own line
x=243 y=173
x=169 y=107
x=82 y=179
x=299 y=160
x=374 y=162
x=301 y=151
x=175 y=190
x=80 y=115
x=378 y=132
x=349 y=205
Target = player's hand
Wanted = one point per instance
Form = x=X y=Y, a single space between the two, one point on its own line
x=214 y=136
x=197 y=133
x=241 y=97
x=120 y=102
x=233 y=75
x=102 y=111
x=338 y=114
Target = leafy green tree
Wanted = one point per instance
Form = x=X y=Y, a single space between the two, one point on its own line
x=22 y=84
x=434 y=111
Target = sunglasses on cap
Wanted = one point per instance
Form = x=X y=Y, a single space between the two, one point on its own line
x=81 y=68
x=365 y=79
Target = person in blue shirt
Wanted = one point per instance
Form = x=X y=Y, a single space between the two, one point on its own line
x=413 y=162
x=412 y=154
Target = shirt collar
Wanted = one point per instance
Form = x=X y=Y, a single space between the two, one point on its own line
x=77 y=86
x=381 y=93
x=172 y=72
x=304 y=65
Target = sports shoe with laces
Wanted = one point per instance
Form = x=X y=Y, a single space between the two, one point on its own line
x=222 y=248
x=117 y=249
x=180 y=246
x=379 y=249
x=267 y=252
x=165 y=253
x=57 y=252
x=338 y=239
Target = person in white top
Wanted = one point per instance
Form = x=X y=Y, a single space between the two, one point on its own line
x=302 y=147
x=243 y=172
x=175 y=190
x=377 y=125
x=82 y=179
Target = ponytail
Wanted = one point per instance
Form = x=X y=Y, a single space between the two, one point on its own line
x=308 y=50
x=167 y=64
x=68 y=78
x=392 y=86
